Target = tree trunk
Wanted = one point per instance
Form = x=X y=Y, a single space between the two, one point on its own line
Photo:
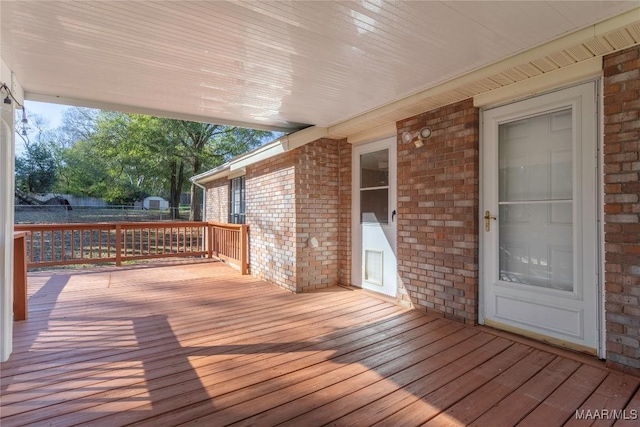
x=177 y=180
x=196 y=205
x=195 y=213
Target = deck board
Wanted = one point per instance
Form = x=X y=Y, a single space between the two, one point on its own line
x=197 y=343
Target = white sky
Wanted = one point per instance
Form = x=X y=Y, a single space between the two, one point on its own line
x=52 y=113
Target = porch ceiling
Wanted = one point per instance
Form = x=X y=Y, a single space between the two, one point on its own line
x=279 y=65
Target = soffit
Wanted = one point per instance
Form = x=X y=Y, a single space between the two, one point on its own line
x=284 y=64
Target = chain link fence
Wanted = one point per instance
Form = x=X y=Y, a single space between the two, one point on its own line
x=54 y=214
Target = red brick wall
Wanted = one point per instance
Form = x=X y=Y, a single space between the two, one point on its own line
x=622 y=208
x=292 y=198
x=271 y=215
x=344 y=212
x=217 y=201
x=317 y=203
x=438 y=212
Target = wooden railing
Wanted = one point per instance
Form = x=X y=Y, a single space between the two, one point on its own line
x=229 y=242
x=66 y=244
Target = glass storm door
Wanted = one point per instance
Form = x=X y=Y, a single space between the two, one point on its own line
x=374 y=216
x=539 y=218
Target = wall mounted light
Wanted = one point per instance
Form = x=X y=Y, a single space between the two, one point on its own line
x=417 y=137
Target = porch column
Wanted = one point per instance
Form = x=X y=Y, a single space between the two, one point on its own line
x=7 y=156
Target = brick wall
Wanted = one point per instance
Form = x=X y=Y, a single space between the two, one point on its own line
x=438 y=212
x=622 y=208
x=271 y=215
x=217 y=200
x=290 y=199
x=344 y=212
x=317 y=203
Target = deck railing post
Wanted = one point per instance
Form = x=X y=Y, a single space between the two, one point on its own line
x=118 y=247
x=244 y=245
x=210 y=240
x=20 y=299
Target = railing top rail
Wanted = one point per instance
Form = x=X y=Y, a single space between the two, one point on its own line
x=108 y=225
x=160 y=224
x=228 y=226
x=74 y=226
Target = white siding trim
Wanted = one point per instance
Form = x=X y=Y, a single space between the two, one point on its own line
x=542 y=83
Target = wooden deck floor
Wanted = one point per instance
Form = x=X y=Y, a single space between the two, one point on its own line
x=200 y=344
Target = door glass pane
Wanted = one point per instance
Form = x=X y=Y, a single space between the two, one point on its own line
x=536 y=201
x=374 y=169
x=374 y=206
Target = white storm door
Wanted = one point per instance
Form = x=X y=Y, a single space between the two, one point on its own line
x=539 y=218
x=374 y=216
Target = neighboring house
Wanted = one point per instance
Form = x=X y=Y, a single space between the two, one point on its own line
x=155 y=203
x=501 y=216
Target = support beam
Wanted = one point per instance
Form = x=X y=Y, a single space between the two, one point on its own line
x=7 y=157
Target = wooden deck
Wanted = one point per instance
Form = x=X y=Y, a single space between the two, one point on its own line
x=197 y=343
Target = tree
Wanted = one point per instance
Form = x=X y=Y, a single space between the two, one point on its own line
x=211 y=145
x=36 y=166
x=84 y=171
x=36 y=169
x=124 y=157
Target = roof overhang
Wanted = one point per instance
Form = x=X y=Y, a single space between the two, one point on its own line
x=347 y=67
x=570 y=59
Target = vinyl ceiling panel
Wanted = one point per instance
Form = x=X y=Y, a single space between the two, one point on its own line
x=272 y=63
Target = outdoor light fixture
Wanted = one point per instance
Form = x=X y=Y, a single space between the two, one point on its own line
x=417 y=138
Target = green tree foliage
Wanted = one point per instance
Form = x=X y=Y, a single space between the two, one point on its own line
x=208 y=145
x=125 y=157
x=36 y=167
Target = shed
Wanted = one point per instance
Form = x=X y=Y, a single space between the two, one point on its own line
x=155 y=203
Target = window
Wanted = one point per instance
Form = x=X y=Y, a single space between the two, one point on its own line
x=236 y=201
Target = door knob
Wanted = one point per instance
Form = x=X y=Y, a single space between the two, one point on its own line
x=487 y=220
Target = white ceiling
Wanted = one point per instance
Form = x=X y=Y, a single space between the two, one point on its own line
x=271 y=64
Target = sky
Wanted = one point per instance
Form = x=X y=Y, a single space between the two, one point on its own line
x=51 y=112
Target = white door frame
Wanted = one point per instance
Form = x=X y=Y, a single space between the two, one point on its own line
x=595 y=234
x=389 y=143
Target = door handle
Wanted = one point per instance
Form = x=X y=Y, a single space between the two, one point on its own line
x=393 y=215
x=487 y=220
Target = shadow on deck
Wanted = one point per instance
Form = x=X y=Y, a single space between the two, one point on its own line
x=186 y=343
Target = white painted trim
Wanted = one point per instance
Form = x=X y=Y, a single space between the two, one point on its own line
x=263 y=153
x=600 y=233
x=211 y=175
x=481 y=234
x=305 y=136
x=542 y=83
x=373 y=134
x=52 y=99
x=237 y=173
x=7 y=156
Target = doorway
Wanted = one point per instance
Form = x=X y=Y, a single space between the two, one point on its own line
x=539 y=218
x=375 y=216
